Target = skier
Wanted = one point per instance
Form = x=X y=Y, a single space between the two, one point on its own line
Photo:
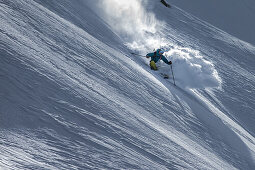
x=155 y=57
x=165 y=3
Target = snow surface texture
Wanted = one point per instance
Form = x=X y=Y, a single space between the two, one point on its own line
x=233 y=16
x=73 y=97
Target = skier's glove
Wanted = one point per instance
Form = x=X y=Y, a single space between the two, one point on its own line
x=170 y=62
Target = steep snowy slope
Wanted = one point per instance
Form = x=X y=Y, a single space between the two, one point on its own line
x=233 y=16
x=72 y=96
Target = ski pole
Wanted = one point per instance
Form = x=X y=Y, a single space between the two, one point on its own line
x=138 y=54
x=173 y=74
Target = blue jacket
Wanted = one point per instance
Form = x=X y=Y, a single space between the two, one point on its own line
x=157 y=57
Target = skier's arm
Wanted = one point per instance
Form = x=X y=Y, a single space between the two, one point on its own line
x=164 y=59
x=149 y=55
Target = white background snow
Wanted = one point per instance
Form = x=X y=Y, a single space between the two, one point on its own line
x=72 y=96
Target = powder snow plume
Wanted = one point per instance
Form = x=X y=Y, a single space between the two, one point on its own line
x=192 y=70
x=133 y=23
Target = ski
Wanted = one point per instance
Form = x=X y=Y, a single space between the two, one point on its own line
x=165 y=76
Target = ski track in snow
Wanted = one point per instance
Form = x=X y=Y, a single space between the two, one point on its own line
x=72 y=97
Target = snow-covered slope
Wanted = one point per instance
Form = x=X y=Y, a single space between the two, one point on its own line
x=73 y=97
x=233 y=16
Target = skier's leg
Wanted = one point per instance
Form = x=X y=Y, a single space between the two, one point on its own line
x=153 y=65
